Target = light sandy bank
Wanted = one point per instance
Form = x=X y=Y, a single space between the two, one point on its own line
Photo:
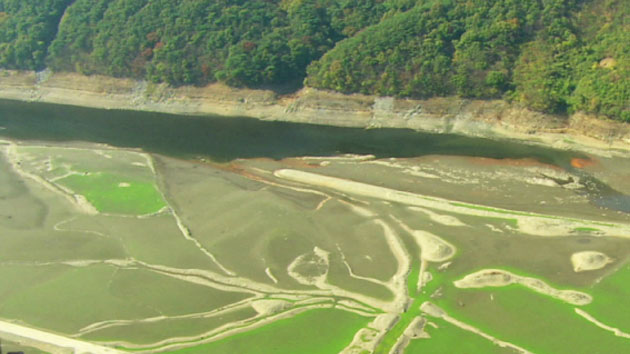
x=499 y=278
x=484 y=118
x=41 y=339
x=615 y=331
x=528 y=223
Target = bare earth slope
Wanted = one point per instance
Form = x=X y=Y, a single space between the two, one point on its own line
x=489 y=118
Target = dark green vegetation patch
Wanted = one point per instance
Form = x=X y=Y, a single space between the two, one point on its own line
x=26 y=30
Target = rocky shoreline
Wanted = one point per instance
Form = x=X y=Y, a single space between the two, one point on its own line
x=479 y=118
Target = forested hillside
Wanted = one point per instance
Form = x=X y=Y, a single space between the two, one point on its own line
x=557 y=56
x=241 y=42
x=26 y=30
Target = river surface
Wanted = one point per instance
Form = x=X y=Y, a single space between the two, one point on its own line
x=225 y=139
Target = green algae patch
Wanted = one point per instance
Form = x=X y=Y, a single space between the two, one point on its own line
x=611 y=299
x=535 y=322
x=503 y=221
x=114 y=194
x=585 y=229
x=112 y=181
x=391 y=337
x=312 y=332
x=447 y=338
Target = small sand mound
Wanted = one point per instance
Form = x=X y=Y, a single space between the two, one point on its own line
x=384 y=322
x=543 y=227
x=443 y=219
x=364 y=341
x=270 y=307
x=608 y=63
x=124 y=185
x=432 y=310
x=433 y=248
x=416 y=328
x=589 y=260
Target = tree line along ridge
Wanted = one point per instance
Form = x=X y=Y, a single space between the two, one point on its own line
x=554 y=56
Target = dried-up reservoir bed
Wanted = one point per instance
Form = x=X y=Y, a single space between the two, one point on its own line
x=124 y=249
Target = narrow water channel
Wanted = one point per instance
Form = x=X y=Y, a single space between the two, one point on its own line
x=225 y=139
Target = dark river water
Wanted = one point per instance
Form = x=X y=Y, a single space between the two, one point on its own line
x=224 y=139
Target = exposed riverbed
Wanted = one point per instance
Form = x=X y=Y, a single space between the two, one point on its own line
x=158 y=232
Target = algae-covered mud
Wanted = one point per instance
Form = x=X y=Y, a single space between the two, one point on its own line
x=202 y=235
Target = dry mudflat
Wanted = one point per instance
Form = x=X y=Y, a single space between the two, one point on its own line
x=135 y=251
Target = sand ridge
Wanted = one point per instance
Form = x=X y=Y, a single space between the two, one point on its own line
x=499 y=278
x=529 y=223
x=615 y=331
x=34 y=336
x=435 y=311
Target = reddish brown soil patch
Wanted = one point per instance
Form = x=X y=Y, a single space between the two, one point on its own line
x=582 y=163
x=527 y=162
x=300 y=163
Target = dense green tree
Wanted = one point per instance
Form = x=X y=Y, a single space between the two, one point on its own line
x=436 y=48
x=240 y=42
x=602 y=72
x=557 y=56
x=26 y=30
